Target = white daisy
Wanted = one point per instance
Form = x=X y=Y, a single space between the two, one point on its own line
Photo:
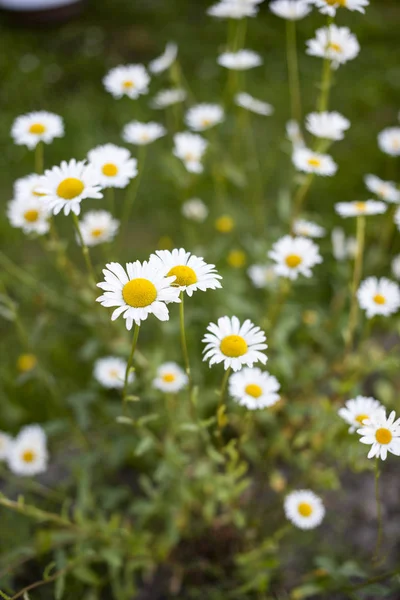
x=309 y=161
x=386 y=190
x=356 y=209
x=163 y=62
x=191 y=272
x=389 y=141
x=290 y=9
x=32 y=128
x=171 y=378
x=329 y=7
x=233 y=9
x=195 y=210
x=244 y=100
x=113 y=165
x=304 y=509
x=26 y=187
x=308 y=229
x=127 y=80
x=254 y=388
x=295 y=256
x=169 y=97
x=240 y=60
x=337 y=44
x=204 y=116
x=327 y=125
x=190 y=147
x=294 y=134
x=397 y=218
x=110 y=372
x=262 y=275
x=396 y=266
x=5 y=444
x=357 y=410
x=27 y=453
x=142 y=133
x=343 y=247
x=98 y=227
x=234 y=344
x=382 y=433
x=137 y=292
x=379 y=296
x=29 y=213
x=65 y=187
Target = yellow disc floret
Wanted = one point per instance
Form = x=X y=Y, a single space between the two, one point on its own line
x=383 y=436
x=28 y=456
x=314 y=162
x=31 y=215
x=379 y=299
x=26 y=362
x=305 y=509
x=253 y=390
x=109 y=170
x=293 y=260
x=139 y=292
x=70 y=188
x=233 y=346
x=37 y=128
x=361 y=418
x=184 y=275
x=168 y=377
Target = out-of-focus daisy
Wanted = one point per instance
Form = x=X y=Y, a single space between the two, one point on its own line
x=141 y=134
x=359 y=208
x=127 y=80
x=294 y=134
x=236 y=258
x=244 y=100
x=30 y=214
x=27 y=454
x=329 y=7
x=195 y=210
x=110 y=372
x=290 y=9
x=64 y=187
x=163 y=62
x=262 y=275
x=386 y=190
x=233 y=9
x=98 y=227
x=26 y=187
x=379 y=296
x=327 y=125
x=295 y=256
x=224 y=224
x=357 y=410
x=337 y=44
x=254 y=388
x=397 y=218
x=113 y=165
x=343 y=247
x=389 y=141
x=191 y=272
x=204 y=116
x=32 y=128
x=240 y=60
x=396 y=266
x=5 y=444
x=26 y=362
x=169 y=97
x=308 y=229
x=304 y=509
x=382 y=433
x=137 y=292
x=309 y=161
x=170 y=378
x=190 y=148
x=234 y=344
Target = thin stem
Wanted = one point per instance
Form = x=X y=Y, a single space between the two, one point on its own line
x=111 y=200
x=299 y=199
x=278 y=304
x=183 y=338
x=379 y=512
x=358 y=263
x=221 y=404
x=129 y=365
x=132 y=190
x=293 y=70
x=39 y=161
x=85 y=250
x=326 y=81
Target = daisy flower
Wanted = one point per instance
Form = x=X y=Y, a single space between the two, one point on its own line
x=254 y=388
x=142 y=133
x=170 y=378
x=166 y=98
x=290 y=9
x=137 y=291
x=397 y=218
x=163 y=62
x=357 y=410
x=224 y=224
x=389 y=141
x=195 y=210
x=127 y=80
x=304 y=509
x=233 y=10
x=191 y=272
x=113 y=165
x=110 y=372
x=30 y=214
x=379 y=296
x=27 y=453
x=259 y=107
x=382 y=433
x=262 y=275
x=337 y=44
x=64 y=187
x=386 y=190
x=329 y=7
x=234 y=344
x=295 y=256
x=356 y=209
x=309 y=161
x=396 y=266
x=97 y=227
x=327 y=125
x=5 y=444
x=27 y=186
x=26 y=362
x=240 y=60
x=32 y=128
x=294 y=134
x=308 y=229
x=204 y=116
x=190 y=147
x=343 y=247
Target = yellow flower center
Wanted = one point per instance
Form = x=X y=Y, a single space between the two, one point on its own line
x=383 y=436
x=139 y=292
x=70 y=188
x=361 y=418
x=26 y=362
x=189 y=156
x=253 y=390
x=28 y=456
x=109 y=170
x=97 y=232
x=314 y=162
x=128 y=84
x=233 y=346
x=334 y=47
x=113 y=373
x=224 y=224
x=236 y=258
x=184 y=275
x=333 y=2
x=305 y=509
x=206 y=122
x=35 y=193
x=360 y=206
x=168 y=377
x=293 y=260
x=145 y=137
x=37 y=128
x=379 y=299
x=382 y=191
x=31 y=215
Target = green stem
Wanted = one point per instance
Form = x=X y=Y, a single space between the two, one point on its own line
x=293 y=70
x=379 y=513
x=326 y=79
x=299 y=199
x=85 y=250
x=39 y=161
x=221 y=405
x=132 y=190
x=185 y=353
x=129 y=365
x=111 y=200
x=358 y=263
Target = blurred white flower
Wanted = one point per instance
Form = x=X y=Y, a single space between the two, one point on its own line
x=343 y=247
x=163 y=62
x=27 y=453
x=30 y=214
x=259 y=107
x=26 y=187
x=110 y=372
x=262 y=275
x=386 y=190
x=233 y=9
x=240 y=60
x=32 y=128
x=290 y=9
x=304 y=509
x=127 y=80
x=379 y=296
x=308 y=161
x=396 y=266
x=337 y=44
x=389 y=141
x=113 y=165
x=327 y=125
x=357 y=410
x=170 y=378
x=329 y=7
x=253 y=388
x=204 y=116
x=5 y=444
x=98 y=227
x=308 y=229
x=397 y=218
x=195 y=210
x=168 y=97
x=294 y=134
x=190 y=148
x=382 y=433
x=355 y=209
x=295 y=256
x=142 y=134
